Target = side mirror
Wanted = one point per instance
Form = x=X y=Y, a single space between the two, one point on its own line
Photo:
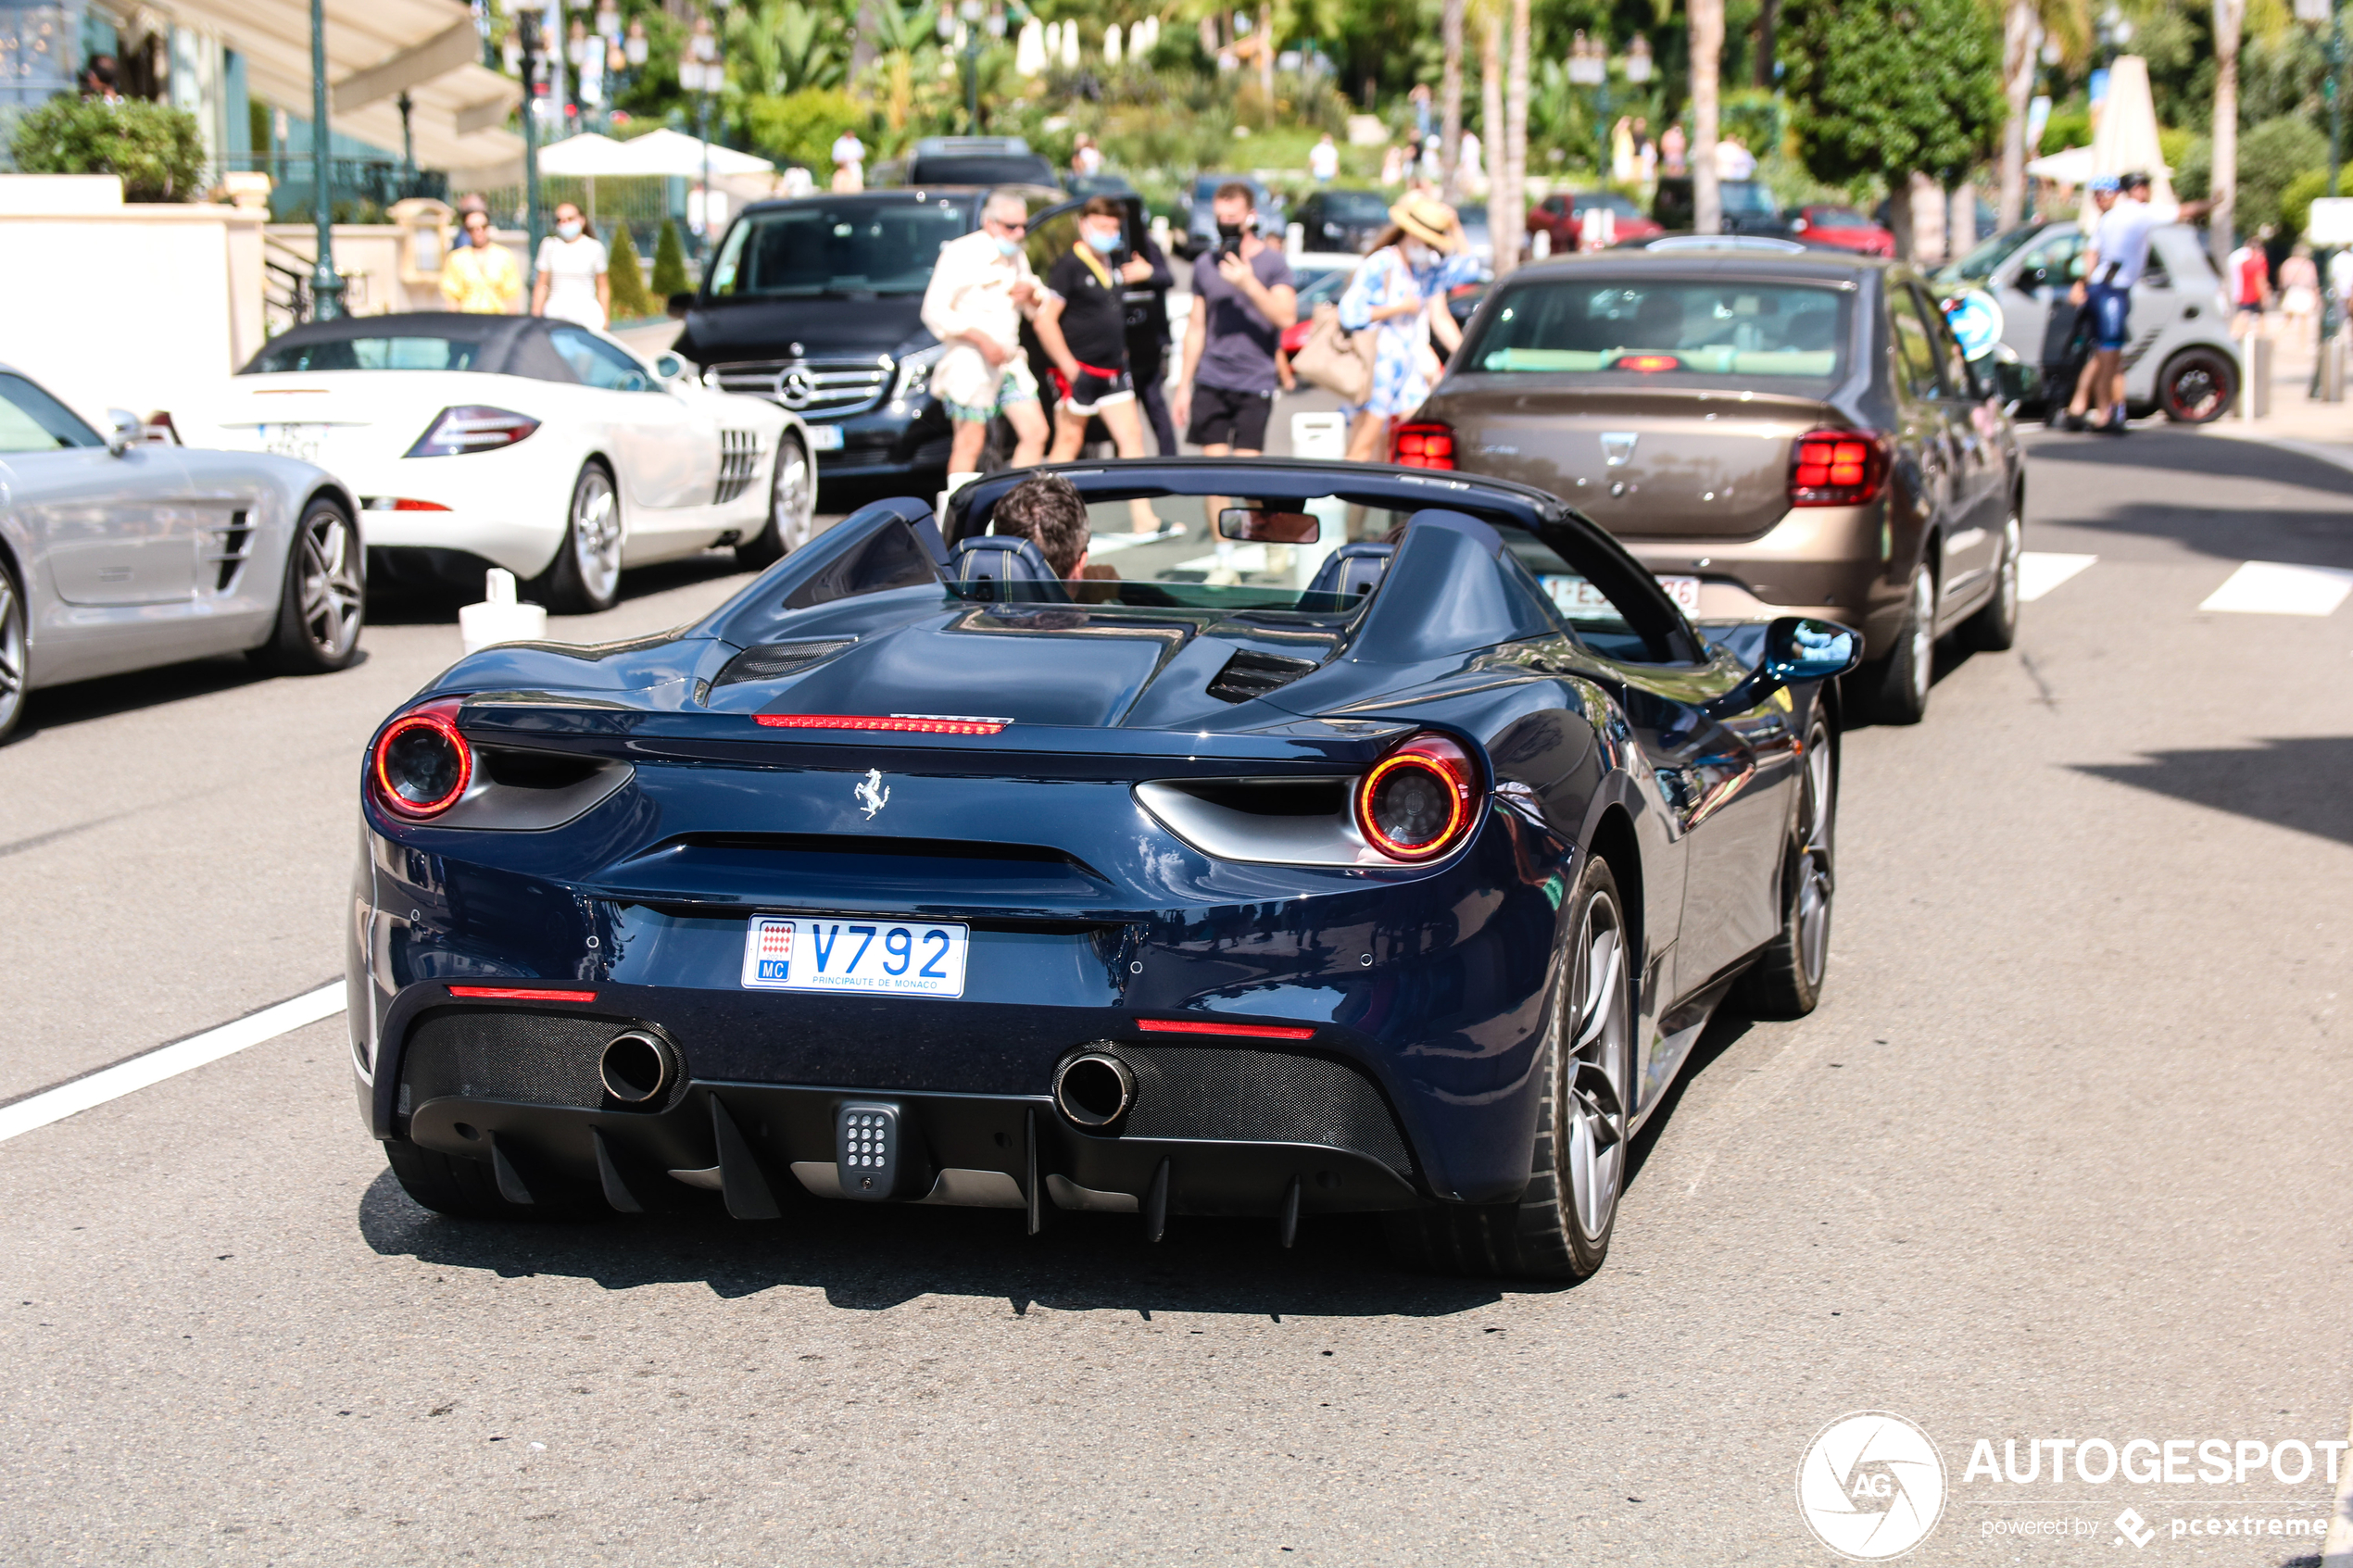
x=1797 y=648
x=677 y=305
x=669 y=367
x=124 y=431
x=1269 y=528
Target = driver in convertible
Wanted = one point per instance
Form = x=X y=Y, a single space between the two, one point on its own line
x=1049 y=512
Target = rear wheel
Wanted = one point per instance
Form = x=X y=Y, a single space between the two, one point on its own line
x=13 y=672
x=1560 y=1228
x=2196 y=386
x=1994 y=629
x=586 y=575
x=322 y=601
x=792 y=503
x=1895 y=685
x=1787 y=980
x=468 y=1190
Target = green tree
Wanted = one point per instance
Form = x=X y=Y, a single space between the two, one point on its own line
x=2271 y=156
x=1891 y=88
x=670 y=262
x=800 y=127
x=154 y=147
x=631 y=299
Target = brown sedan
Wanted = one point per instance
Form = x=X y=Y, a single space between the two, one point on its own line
x=1772 y=432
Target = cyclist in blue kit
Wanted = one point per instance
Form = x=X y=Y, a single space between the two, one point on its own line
x=2114 y=261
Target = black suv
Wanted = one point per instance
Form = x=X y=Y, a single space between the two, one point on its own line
x=816 y=303
x=1748 y=206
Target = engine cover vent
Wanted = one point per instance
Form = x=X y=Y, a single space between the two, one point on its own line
x=774 y=661
x=1251 y=675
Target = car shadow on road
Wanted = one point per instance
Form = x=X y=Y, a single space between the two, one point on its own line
x=2302 y=536
x=53 y=707
x=2297 y=784
x=430 y=602
x=873 y=1257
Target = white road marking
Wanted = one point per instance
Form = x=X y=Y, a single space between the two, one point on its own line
x=167 y=1061
x=2039 y=572
x=2269 y=587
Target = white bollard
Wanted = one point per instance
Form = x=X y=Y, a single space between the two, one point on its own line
x=1294 y=241
x=955 y=481
x=1318 y=435
x=499 y=618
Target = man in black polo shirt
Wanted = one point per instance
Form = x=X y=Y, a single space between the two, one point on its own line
x=1083 y=327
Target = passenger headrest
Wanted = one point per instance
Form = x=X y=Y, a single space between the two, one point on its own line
x=990 y=561
x=1353 y=570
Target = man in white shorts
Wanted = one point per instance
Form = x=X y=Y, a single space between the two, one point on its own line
x=980 y=290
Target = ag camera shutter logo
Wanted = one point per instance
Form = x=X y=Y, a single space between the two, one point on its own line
x=1872 y=1485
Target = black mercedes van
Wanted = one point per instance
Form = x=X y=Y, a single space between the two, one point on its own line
x=816 y=303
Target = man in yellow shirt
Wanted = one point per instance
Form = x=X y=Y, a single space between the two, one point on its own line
x=481 y=276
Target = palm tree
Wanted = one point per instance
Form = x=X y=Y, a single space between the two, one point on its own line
x=2230 y=25
x=1507 y=214
x=1449 y=99
x=1707 y=59
x=2026 y=26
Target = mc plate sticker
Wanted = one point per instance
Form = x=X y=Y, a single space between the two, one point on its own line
x=895 y=958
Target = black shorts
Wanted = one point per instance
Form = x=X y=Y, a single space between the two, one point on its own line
x=1223 y=417
x=1088 y=393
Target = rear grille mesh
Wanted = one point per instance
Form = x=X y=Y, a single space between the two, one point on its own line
x=738 y=464
x=526 y=1058
x=774 y=661
x=1260 y=1096
x=822 y=389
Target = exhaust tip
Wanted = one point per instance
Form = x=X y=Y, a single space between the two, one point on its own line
x=638 y=1067
x=1094 y=1089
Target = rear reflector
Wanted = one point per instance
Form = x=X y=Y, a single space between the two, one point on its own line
x=1206 y=1026
x=904 y=723
x=1647 y=362
x=519 y=993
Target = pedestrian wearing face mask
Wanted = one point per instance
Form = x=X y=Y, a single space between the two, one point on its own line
x=572 y=285
x=1243 y=297
x=1083 y=328
x=1402 y=289
x=980 y=289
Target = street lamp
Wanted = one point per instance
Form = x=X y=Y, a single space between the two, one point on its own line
x=969 y=17
x=699 y=72
x=528 y=40
x=2312 y=14
x=326 y=285
x=1589 y=66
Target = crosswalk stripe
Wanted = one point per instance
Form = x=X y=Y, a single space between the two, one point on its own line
x=2039 y=572
x=2271 y=587
x=165 y=1061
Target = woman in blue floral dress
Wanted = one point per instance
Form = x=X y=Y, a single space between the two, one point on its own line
x=1402 y=290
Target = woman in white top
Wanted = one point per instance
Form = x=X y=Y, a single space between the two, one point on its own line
x=572 y=285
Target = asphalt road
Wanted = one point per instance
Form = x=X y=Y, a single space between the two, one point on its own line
x=2063 y=1155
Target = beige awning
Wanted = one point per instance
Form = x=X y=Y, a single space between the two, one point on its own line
x=375 y=50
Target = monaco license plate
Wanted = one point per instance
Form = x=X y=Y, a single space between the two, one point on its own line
x=890 y=957
x=824 y=438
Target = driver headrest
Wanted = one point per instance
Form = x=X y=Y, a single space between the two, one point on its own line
x=990 y=561
x=1354 y=570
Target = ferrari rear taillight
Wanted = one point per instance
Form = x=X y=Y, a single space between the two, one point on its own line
x=1425 y=444
x=471 y=428
x=1836 y=468
x=1420 y=800
x=422 y=764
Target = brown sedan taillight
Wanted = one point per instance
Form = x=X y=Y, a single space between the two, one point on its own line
x=1837 y=468
x=1425 y=444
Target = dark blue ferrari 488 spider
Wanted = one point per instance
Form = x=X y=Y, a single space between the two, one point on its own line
x=1380 y=842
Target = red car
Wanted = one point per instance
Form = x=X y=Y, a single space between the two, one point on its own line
x=1844 y=228
x=1562 y=215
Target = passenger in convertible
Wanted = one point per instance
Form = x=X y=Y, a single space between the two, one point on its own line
x=1048 y=513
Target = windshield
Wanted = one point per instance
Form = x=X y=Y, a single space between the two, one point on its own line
x=1641 y=328
x=823 y=248
x=1746 y=198
x=1000 y=169
x=1318 y=286
x=1836 y=218
x=32 y=420
x=388 y=352
x=1355 y=207
x=1979 y=264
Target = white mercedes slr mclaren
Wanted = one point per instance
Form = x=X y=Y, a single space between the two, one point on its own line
x=520 y=441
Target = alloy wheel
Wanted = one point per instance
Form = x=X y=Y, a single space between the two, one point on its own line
x=1594 y=1031
x=2013 y=540
x=328 y=585
x=1923 y=635
x=793 y=500
x=12 y=654
x=1818 y=805
x=595 y=533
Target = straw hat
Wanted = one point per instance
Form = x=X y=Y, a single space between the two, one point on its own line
x=1430 y=221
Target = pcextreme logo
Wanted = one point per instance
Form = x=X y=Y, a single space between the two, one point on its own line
x=1872 y=1485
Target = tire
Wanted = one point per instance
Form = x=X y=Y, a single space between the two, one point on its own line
x=322 y=602
x=792 y=504
x=586 y=575
x=1894 y=687
x=1786 y=982
x=1994 y=629
x=15 y=669
x=2197 y=386
x=467 y=1190
x=1560 y=1225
